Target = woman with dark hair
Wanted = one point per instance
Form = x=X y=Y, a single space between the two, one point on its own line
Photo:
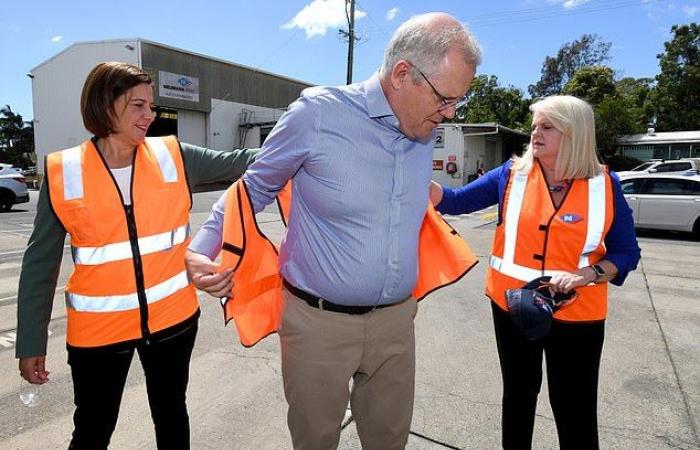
x=561 y=215
x=124 y=199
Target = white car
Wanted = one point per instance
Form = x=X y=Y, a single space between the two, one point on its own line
x=663 y=166
x=664 y=201
x=13 y=187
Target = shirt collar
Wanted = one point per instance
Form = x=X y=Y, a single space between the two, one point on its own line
x=377 y=104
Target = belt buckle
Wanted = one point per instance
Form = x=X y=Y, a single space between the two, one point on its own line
x=320 y=304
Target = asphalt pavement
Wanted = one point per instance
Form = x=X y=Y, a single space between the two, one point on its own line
x=649 y=380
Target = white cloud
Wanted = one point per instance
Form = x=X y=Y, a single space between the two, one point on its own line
x=320 y=15
x=56 y=38
x=392 y=13
x=690 y=11
x=568 y=4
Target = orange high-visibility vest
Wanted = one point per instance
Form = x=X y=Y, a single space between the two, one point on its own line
x=534 y=239
x=255 y=303
x=129 y=277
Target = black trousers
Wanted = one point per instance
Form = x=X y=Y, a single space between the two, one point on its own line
x=572 y=352
x=99 y=376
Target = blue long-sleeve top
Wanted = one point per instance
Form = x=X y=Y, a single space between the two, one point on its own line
x=620 y=242
x=360 y=193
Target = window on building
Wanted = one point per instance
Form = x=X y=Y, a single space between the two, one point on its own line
x=661 y=152
x=264 y=133
x=679 y=151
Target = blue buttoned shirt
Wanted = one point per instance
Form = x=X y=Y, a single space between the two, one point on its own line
x=360 y=192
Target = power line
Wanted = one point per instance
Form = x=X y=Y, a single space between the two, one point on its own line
x=269 y=56
x=525 y=15
x=537 y=14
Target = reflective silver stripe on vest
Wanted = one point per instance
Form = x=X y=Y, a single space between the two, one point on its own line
x=521 y=273
x=117 y=251
x=594 y=231
x=165 y=159
x=515 y=204
x=72 y=168
x=596 y=217
x=114 y=303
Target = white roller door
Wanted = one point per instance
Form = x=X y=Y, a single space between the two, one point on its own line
x=192 y=127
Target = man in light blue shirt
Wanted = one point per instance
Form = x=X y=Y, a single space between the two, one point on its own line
x=360 y=160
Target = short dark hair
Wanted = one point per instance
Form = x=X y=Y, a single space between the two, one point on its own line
x=105 y=83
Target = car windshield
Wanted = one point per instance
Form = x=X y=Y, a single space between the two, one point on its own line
x=641 y=167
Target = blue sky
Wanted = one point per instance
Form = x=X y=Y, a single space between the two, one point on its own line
x=299 y=38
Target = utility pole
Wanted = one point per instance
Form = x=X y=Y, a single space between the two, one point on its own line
x=350 y=35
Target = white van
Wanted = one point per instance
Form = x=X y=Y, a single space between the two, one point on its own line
x=664 y=166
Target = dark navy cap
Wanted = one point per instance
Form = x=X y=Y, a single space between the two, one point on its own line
x=532 y=306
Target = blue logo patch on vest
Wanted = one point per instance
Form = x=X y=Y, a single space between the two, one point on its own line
x=571 y=218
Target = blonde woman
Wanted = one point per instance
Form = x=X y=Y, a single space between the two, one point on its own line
x=561 y=214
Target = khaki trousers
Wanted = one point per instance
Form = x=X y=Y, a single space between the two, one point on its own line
x=323 y=350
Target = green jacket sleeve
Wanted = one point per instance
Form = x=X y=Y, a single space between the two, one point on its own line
x=37 y=281
x=205 y=166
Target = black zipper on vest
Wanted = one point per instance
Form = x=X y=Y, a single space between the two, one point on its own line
x=138 y=271
x=133 y=242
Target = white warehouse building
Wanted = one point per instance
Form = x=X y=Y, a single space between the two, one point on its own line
x=203 y=100
x=463 y=148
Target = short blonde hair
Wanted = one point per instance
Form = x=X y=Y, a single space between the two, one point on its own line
x=577 y=157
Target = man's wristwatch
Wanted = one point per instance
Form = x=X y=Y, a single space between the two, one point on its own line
x=599 y=273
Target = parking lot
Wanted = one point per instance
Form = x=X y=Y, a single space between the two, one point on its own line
x=649 y=383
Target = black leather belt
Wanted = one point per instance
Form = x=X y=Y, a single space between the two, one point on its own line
x=325 y=305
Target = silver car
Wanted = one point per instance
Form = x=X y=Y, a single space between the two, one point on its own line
x=664 y=201
x=13 y=187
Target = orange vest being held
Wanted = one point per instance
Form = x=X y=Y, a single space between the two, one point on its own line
x=255 y=303
x=129 y=277
x=535 y=239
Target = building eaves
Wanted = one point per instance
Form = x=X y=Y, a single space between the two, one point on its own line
x=76 y=44
x=486 y=127
x=669 y=137
x=242 y=66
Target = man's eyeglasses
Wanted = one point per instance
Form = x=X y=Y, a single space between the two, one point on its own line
x=445 y=102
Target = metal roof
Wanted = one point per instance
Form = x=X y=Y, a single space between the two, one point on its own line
x=669 y=137
x=487 y=126
x=132 y=40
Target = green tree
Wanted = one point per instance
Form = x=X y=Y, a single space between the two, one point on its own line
x=592 y=84
x=636 y=92
x=589 y=50
x=16 y=138
x=613 y=119
x=489 y=102
x=676 y=97
x=618 y=106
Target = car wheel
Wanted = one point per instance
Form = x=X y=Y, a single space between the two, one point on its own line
x=696 y=228
x=6 y=201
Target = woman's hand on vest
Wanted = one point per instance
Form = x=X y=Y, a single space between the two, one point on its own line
x=435 y=193
x=33 y=370
x=567 y=281
x=205 y=275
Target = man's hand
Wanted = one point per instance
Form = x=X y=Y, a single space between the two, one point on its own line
x=32 y=369
x=203 y=273
x=435 y=193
